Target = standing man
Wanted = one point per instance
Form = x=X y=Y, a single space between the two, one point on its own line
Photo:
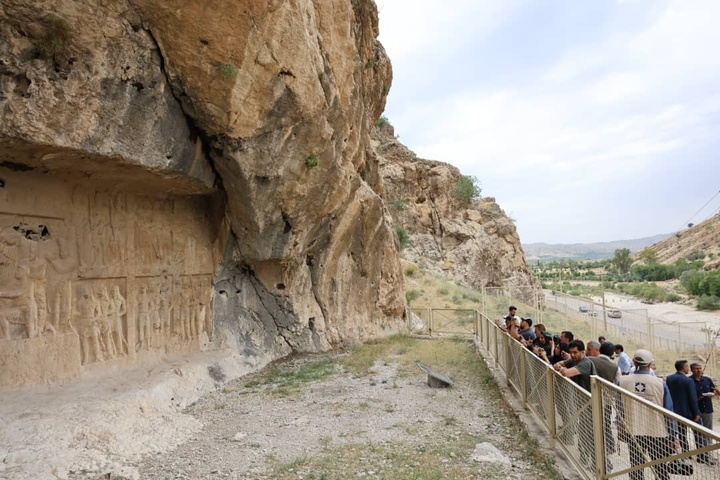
x=606 y=369
x=705 y=389
x=647 y=428
x=604 y=365
x=526 y=330
x=578 y=368
x=512 y=315
x=623 y=360
x=592 y=348
x=684 y=397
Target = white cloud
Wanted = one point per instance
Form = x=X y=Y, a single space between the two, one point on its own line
x=631 y=104
x=411 y=26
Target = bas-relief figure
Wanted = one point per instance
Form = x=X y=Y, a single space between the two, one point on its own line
x=173 y=313
x=75 y=277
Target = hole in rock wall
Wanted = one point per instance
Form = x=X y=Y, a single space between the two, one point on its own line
x=96 y=277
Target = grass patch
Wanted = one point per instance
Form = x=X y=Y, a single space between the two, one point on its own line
x=397 y=461
x=283 y=380
x=443 y=456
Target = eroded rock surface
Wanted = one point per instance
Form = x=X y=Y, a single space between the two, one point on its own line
x=475 y=243
x=208 y=164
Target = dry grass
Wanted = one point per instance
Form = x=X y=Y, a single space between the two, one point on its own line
x=443 y=458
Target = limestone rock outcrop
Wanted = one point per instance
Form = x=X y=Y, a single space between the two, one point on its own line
x=183 y=176
x=474 y=243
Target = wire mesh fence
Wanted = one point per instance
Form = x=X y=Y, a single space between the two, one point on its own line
x=696 y=341
x=612 y=433
x=444 y=321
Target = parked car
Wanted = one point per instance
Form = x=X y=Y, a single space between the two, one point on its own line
x=614 y=314
x=583 y=309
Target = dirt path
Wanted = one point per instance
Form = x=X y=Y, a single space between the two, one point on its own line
x=344 y=426
x=383 y=424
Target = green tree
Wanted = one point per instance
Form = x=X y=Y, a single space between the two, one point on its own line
x=622 y=260
x=690 y=279
x=648 y=256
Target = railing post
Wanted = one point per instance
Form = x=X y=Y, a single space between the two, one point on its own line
x=552 y=427
x=482 y=300
x=596 y=398
x=495 y=343
x=523 y=376
x=506 y=346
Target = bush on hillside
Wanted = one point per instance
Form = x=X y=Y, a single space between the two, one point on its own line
x=708 y=302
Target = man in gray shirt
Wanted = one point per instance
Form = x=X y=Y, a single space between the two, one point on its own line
x=599 y=355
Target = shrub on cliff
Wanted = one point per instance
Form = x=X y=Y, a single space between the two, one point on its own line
x=467 y=189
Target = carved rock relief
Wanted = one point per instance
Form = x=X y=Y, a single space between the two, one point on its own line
x=110 y=274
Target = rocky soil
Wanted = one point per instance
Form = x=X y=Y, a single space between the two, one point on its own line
x=387 y=423
x=251 y=434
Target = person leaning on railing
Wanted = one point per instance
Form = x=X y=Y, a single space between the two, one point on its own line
x=544 y=347
x=511 y=326
x=560 y=351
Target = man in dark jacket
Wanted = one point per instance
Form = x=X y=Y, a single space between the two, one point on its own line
x=685 y=404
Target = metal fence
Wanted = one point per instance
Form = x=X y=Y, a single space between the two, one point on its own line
x=609 y=433
x=695 y=341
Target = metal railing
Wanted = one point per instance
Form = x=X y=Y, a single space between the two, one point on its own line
x=690 y=340
x=607 y=434
x=596 y=432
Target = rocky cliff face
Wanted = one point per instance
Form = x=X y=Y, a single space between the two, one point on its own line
x=177 y=176
x=474 y=243
x=701 y=242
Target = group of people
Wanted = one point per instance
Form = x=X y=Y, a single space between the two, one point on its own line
x=687 y=392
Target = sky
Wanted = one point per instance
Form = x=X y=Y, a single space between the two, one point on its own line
x=587 y=120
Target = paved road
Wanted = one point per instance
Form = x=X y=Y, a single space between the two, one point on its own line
x=670 y=325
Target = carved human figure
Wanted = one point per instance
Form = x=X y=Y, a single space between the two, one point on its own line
x=34 y=276
x=119 y=310
x=63 y=264
x=184 y=309
x=8 y=247
x=87 y=327
x=156 y=320
x=201 y=304
x=106 y=322
x=145 y=307
x=164 y=310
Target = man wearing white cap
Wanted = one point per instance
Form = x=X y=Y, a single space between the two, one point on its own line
x=644 y=428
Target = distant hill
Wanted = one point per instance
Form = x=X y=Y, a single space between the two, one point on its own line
x=586 y=251
x=699 y=242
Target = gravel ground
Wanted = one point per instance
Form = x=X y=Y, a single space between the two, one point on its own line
x=386 y=424
x=183 y=420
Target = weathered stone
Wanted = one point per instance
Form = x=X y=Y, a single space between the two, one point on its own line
x=476 y=244
x=488 y=453
x=180 y=129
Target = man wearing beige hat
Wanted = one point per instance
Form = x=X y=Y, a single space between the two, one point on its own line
x=645 y=429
